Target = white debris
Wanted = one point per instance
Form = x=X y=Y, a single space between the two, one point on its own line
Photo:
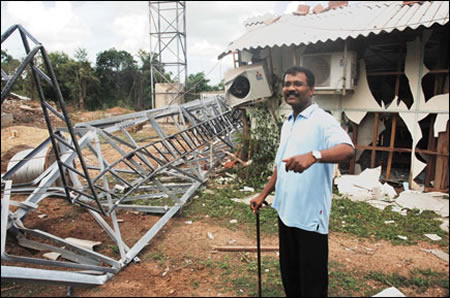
x=52 y=255
x=189 y=222
x=224 y=180
x=433 y=201
x=14 y=95
x=269 y=199
x=232 y=176
x=438 y=253
x=233 y=221
x=248 y=188
x=398 y=209
x=210 y=236
x=390 y=292
x=405 y=186
x=118 y=188
x=231 y=241
x=389 y=191
x=379 y=204
x=433 y=237
x=389 y=221
x=402 y=237
x=365 y=186
x=444 y=225
x=88 y=244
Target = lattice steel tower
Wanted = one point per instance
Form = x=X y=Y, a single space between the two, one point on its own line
x=168 y=41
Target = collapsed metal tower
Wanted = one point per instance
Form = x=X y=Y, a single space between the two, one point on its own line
x=151 y=161
x=167 y=21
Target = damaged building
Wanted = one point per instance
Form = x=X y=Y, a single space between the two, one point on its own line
x=381 y=69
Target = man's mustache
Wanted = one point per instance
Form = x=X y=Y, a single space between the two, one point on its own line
x=292 y=93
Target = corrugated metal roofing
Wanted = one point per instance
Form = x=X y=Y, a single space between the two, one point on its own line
x=258 y=20
x=343 y=22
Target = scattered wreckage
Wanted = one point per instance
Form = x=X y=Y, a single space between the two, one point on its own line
x=104 y=167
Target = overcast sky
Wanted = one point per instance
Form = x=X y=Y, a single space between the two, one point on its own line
x=101 y=25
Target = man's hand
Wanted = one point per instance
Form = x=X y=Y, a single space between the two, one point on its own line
x=256 y=203
x=299 y=163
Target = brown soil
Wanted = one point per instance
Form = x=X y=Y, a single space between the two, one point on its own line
x=186 y=249
x=177 y=261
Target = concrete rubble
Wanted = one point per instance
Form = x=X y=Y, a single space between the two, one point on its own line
x=367 y=187
x=390 y=292
x=438 y=253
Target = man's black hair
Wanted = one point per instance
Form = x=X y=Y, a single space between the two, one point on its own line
x=310 y=79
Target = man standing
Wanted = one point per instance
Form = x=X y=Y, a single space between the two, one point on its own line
x=311 y=141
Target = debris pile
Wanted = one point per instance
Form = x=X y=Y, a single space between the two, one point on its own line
x=368 y=188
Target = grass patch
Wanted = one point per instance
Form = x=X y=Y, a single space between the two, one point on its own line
x=419 y=280
x=218 y=204
x=356 y=218
x=157 y=256
x=364 y=220
x=342 y=282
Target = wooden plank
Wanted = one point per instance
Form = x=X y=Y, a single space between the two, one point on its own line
x=441 y=172
x=245 y=248
x=404 y=150
x=391 y=146
x=432 y=160
x=355 y=141
x=374 y=140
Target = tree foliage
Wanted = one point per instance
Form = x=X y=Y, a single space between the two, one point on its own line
x=198 y=83
x=116 y=79
x=117 y=72
x=24 y=84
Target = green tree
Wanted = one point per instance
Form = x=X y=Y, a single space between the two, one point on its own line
x=86 y=80
x=196 y=84
x=219 y=87
x=9 y=66
x=143 y=88
x=142 y=91
x=117 y=73
x=64 y=68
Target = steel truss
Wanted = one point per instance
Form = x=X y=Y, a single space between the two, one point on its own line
x=151 y=161
x=167 y=24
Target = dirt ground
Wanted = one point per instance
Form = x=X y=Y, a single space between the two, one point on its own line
x=187 y=249
x=177 y=261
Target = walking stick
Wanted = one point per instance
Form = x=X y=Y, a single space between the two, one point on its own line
x=258 y=245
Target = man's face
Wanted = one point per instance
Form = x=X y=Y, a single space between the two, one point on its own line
x=296 y=91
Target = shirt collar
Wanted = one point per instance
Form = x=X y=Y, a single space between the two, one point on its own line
x=306 y=113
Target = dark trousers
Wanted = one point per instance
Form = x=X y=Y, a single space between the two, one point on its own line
x=303 y=262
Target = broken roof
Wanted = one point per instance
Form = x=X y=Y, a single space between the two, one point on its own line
x=345 y=22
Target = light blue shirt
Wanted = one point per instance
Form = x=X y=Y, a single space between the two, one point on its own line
x=304 y=200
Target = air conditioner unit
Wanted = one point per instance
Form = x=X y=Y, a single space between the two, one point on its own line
x=328 y=69
x=246 y=84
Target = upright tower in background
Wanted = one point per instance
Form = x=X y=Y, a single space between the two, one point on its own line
x=168 y=41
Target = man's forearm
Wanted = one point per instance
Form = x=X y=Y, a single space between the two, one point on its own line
x=337 y=154
x=270 y=186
